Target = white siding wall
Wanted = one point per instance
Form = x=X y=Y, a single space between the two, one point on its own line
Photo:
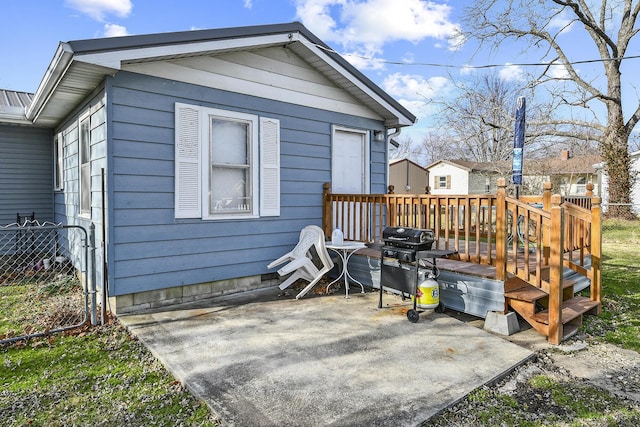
x=635 y=191
x=459 y=179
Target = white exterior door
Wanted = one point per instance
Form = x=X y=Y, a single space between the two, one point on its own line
x=349 y=175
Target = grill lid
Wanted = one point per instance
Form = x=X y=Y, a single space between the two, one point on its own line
x=407 y=237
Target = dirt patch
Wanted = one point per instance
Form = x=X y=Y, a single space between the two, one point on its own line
x=580 y=382
x=602 y=365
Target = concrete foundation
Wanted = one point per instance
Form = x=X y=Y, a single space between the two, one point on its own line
x=503 y=324
x=150 y=300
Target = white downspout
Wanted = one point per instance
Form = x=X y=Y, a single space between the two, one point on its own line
x=390 y=136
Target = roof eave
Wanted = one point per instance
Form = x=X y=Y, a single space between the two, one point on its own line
x=108 y=56
x=57 y=68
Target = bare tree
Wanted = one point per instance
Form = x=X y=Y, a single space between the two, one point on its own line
x=437 y=146
x=608 y=26
x=479 y=120
x=404 y=150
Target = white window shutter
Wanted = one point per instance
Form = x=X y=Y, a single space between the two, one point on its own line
x=187 y=162
x=269 y=167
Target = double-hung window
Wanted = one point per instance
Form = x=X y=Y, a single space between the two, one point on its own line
x=227 y=164
x=442 y=182
x=231 y=145
x=58 y=162
x=84 y=135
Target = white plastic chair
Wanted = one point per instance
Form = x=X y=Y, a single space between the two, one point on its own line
x=309 y=260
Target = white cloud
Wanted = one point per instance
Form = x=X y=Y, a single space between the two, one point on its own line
x=511 y=73
x=248 y=4
x=98 y=9
x=370 y=24
x=414 y=87
x=114 y=30
x=363 y=61
x=467 y=70
x=563 y=21
x=558 y=71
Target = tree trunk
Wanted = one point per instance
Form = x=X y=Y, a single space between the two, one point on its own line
x=618 y=167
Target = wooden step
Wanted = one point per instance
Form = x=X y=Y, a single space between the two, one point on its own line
x=529 y=293
x=571 y=309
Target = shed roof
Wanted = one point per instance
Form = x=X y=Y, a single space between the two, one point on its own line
x=411 y=162
x=469 y=166
x=13 y=105
x=79 y=66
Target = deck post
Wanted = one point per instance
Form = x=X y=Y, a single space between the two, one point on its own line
x=589 y=188
x=501 y=230
x=546 y=231
x=556 y=264
x=546 y=196
x=596 y=251
x=327 y=225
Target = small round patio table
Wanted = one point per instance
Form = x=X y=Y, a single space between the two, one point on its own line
x=345 y=251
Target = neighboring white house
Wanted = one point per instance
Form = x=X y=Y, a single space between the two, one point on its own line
x=407 y=177
x=568 y=174
x=462 y=177
x=635 y=190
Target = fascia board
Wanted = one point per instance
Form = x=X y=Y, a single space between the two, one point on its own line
x=402 y=120
x=55 y=71
x=115 y=59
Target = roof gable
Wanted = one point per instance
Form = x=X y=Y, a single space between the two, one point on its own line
x=78 y=67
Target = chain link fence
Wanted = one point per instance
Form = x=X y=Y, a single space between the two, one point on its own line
x=44 y=279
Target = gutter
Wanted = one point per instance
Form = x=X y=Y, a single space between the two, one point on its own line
x=14 y=115
x=57 y=68
x=393 y=135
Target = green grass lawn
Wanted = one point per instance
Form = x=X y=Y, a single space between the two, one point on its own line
x=103 y=376
x=100 y=376
x=619 y=322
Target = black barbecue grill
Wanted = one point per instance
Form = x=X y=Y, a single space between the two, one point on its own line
x=402 y=251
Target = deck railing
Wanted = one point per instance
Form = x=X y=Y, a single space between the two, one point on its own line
x=533 y=237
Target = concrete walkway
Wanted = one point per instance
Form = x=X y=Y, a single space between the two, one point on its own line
x=261 y=358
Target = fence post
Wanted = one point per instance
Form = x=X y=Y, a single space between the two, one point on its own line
x=91 y=273
x=556 y=264
x=327 y=225
x=501 y=230
x=596 y=251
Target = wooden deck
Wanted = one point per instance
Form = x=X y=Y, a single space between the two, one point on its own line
x=536 y=246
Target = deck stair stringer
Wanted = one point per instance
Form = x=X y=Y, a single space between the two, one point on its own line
x=532 y=303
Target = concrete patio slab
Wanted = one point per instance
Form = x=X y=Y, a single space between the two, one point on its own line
x=261 y=358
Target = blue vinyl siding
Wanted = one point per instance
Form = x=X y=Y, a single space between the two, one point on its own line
x=26 y=173
x=149 y=248
x=66 y=201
